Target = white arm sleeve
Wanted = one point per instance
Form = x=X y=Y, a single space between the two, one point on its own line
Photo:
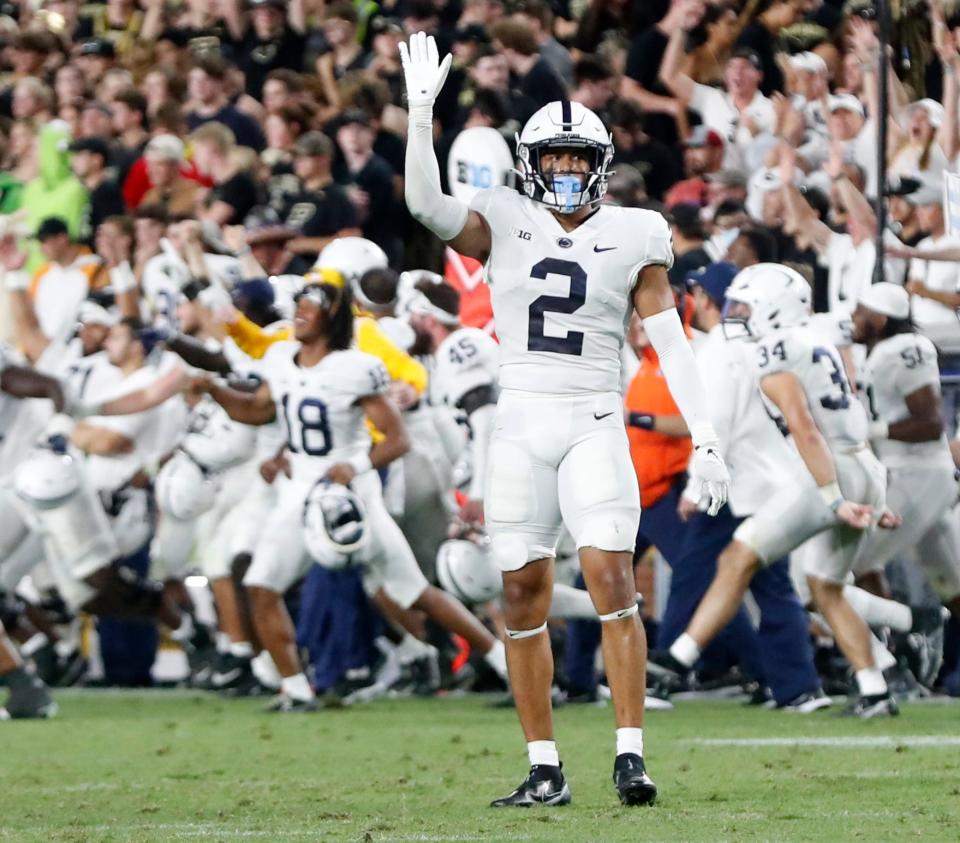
x=680 y=369
x=443 y=215
x=481 y=420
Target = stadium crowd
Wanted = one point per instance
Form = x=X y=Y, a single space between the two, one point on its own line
x=178 y=178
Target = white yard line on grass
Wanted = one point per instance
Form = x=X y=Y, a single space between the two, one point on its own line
x=861 y=741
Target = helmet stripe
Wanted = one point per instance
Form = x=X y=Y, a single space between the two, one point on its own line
x=566 y=115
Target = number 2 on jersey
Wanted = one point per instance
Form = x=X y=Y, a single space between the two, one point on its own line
x=837 y=400
x=314 y=438
x=572 y=343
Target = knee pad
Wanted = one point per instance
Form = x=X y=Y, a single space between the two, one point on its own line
x=520 y=634
x=613 y=530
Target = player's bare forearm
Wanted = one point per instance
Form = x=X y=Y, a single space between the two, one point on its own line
x=785 y=391
x=382 y=413
x=196 y=354
x=24 y=382
x=925 y=422
x=100 y=441
x=247 y=408
x=141 y=400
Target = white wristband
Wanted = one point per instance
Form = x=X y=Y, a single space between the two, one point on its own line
x=360 y=463
x=831 y=494
x=878 y=430
x=122 y=279
x=16 y=281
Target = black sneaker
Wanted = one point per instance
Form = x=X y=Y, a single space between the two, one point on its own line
x=665 y=675
x=807 y=703
x=927 y=619
x=29 y=698
x=633 y=784
x=229 y=671
x=876 y=705
x=285 y=704
x=545 y=785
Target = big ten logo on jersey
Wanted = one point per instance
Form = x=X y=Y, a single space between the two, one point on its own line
x=519 y=232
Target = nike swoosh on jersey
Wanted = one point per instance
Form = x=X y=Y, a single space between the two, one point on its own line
x=603 y=416
x=604 y=248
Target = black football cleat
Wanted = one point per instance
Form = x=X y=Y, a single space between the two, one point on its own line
x=544 y=786
x=29 y=699
x=666 y=676
x=876 y=705
x=633 y=784
x=285 y=704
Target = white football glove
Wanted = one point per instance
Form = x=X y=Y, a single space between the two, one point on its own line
x=709 y=468
x=423 y=72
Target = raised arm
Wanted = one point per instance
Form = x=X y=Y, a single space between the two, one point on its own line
x=671 y=75
x=24 y=382
x=465 y=230
x=800 y=218
x=654 y=302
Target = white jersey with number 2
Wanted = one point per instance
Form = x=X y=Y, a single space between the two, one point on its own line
x=562 y=300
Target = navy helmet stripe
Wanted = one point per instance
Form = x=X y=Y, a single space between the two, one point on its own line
x=566 y=115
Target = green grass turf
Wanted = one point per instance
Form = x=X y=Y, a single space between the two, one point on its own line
x=164 y=766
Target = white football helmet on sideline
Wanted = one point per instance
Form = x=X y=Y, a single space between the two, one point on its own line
x=565 y=125
x=183 y=490
x=47 y=478
x=334 y=525
x=351 y=257
x=467 y=571
x=766 y=297
x=215 y=441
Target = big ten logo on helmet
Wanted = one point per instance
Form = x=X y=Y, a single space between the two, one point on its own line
x=476 y=175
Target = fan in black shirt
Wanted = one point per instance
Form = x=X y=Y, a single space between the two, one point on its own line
x=535 y=78
x=89 y=164
x=272 y=41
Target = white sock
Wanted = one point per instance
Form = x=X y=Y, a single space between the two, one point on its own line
x=241 y=649
x=543 y=752
x=870 y=681
x=881 y=655
x=411 y=648
x=878 y=611
x=185 y=630
x=297 y=687
x=223 y=642
x=685 y=650
x=630 y=739
x=496 y=657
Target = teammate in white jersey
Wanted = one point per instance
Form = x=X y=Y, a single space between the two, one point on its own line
x=832 y=504
x=565 y=274
x=323 y=391
x=902 y=392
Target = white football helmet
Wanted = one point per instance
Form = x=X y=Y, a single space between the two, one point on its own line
x=565 y=125
x=351 y=257
x=183 y=489
x=479 y=158
x=47 y=478
x=763 y=298
x=133 y=524
x=334 y=525
x=216 y=442
x=467 y=570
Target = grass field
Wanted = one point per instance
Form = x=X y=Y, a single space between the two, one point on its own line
x=164 y=766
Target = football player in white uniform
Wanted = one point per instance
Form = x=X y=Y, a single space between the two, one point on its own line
x=565 y=273
x=832 y=504
x=323 y=391
x=902 y=391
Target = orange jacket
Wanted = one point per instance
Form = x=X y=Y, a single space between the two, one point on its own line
x=657 y=458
